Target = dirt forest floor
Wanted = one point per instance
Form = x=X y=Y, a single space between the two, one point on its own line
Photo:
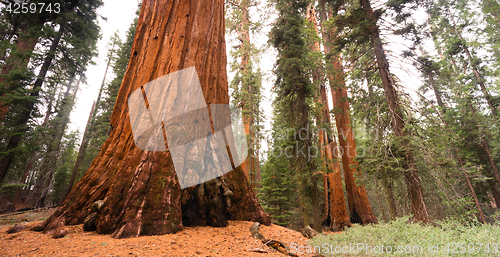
x=233 y=240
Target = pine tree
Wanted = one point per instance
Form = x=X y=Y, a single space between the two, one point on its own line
x=246 y=84
x=294 y=94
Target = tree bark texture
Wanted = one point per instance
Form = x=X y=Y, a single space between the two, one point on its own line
x=252 y=165
x=335 y=213
x=140 y=189
x=359 y=205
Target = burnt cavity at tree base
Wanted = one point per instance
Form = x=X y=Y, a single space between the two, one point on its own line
x=208 y=205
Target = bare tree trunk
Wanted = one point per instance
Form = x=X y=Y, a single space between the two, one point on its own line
x=141 y=193
x=81 y=151
x=335 y=215
x=359 y=205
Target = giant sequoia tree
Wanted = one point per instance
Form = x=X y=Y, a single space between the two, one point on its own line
x=140 y=190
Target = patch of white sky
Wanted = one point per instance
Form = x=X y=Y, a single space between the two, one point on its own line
x=120 y=15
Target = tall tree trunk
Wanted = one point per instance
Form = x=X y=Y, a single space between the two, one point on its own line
x=359 y=205
x=334 y=215
x=141 y=193
x=494 y=192
x=28 y=108
x=412 y=178
x=49 y=162
x=251 y=167
x=81 y=151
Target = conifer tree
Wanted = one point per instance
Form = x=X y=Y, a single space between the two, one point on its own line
x=294 y=94
x=246 y=84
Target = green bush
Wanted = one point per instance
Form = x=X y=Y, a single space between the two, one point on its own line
x=403 y=238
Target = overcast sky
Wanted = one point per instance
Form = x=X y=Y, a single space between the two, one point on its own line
x=120 y=14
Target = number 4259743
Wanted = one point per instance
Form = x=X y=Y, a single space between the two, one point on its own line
x=33 y=8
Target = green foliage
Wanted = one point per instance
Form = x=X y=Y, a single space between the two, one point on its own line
x=414 y=237
x=278 y=192
x=293 y=114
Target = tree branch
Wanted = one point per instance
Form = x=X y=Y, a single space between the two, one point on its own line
x=233 y=3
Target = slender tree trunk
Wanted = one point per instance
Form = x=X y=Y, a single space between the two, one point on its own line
x=251 y=167
x=141 y=193
x=336 y=214
x=478 y=205
x=81 y=151
x=26 y=114
x=49 y=162
x=359 y=205
x=494 y=191
x=412 y=178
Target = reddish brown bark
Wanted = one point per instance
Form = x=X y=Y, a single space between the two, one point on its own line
x=359 y=205
x=140 y=189
x=251 y=166
x=334 y=212
x=412 y=178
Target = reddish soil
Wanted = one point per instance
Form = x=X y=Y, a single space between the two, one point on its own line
x=233 y=240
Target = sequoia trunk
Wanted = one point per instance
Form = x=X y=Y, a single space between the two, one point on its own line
x=140 y=189
x=359 y=206
x=334 y=213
